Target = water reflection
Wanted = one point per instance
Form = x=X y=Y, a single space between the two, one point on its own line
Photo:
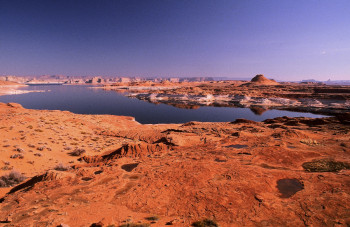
x=86 y=100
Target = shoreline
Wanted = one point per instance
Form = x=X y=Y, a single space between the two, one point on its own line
x=318 y=99
x=15 y=90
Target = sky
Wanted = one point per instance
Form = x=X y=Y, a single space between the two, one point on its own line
x=282 y=39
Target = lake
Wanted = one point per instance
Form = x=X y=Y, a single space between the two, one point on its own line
x=83 y=99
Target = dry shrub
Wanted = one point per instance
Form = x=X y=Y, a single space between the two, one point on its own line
x=77 y=152
x=11 y=179
x=61 y=167
x=205 y=223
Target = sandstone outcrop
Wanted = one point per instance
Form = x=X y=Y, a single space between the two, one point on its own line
x=261 y=79
x=280 y=172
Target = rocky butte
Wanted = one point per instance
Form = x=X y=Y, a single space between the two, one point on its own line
x=63 y=169
x=261 y=79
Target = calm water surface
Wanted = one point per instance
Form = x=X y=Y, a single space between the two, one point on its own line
x=85 y=100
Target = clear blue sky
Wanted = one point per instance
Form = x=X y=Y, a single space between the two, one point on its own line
x=283 y=39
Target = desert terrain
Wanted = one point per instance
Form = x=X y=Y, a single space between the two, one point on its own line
x=184 y=113
x=64 y=169
x=101 y=170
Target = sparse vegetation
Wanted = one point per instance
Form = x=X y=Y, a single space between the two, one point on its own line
x=7 y=168
x=324 y=165
x=19 y=150
x=205 y=223
x=77 y=152
x=135 y=225
x=41 y=148
x=153 y=218
x=11 y=179
x=310 y=142
x=61 y=167
x=19 y=156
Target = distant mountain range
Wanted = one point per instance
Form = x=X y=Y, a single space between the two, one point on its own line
x=112 y=79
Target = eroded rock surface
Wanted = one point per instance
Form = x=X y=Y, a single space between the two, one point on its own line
x=237 y=173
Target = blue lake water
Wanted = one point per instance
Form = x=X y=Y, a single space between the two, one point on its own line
x=86 y=100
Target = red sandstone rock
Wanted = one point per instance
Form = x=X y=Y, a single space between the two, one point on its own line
x=233 y=173
x=261 y=79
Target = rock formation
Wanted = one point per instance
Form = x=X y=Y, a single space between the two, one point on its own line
x=280 y=172
x=261 y=79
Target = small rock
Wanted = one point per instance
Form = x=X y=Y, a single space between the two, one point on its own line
x=236 y=134
x=98 y=224
x=174 y=221
x=8 y=219
x=259 y=198
x=221 y=159
x=63 y=225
